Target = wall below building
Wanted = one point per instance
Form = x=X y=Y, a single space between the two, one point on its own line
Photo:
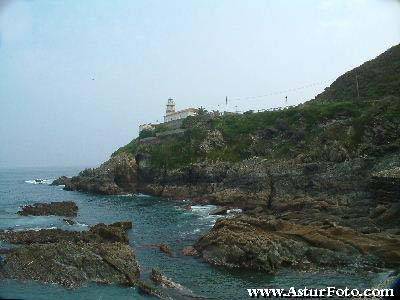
x=175 y=124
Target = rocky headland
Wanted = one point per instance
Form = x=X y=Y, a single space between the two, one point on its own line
x=116 y=176
x=318 y=184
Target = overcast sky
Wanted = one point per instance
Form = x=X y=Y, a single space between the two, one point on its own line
x=78 y=77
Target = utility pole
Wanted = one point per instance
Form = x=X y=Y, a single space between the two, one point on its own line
x=358 y=91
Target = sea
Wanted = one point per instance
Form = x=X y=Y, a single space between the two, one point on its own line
x=156 y=220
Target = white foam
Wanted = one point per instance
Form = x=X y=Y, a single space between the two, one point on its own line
x=126 y=195
x=142 y=195
x=234 y=211
x=40 y=181
x=82 y=224
x=202 y=209
x=34 y=228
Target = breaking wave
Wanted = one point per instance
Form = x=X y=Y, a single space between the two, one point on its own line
x=40 y=181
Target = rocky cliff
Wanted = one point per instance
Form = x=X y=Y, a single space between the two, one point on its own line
x=116 y=176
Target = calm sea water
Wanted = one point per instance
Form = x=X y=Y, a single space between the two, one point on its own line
x=156 y=220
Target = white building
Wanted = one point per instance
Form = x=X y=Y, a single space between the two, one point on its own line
x=172 y=115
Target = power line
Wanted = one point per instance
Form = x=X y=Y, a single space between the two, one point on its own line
x=234 y=99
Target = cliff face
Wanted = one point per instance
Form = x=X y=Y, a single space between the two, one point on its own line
x=252 y=182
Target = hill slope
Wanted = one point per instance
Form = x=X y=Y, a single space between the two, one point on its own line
x=377 y=78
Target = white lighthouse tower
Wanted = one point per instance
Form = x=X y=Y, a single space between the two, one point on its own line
x=170 y=107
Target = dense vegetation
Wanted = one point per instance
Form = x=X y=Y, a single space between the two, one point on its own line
x=350 y=128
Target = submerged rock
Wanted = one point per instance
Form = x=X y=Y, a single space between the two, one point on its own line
x=71 y=258
x=158 y=278
x=189 y=251
x=174 y=289
x=65 y=208
x=149 y=290
x=165 y=249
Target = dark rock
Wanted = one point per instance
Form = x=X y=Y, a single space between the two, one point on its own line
x=175 y=290
x=70 y=258
x=69 y=221
x=370 y=229
x=267 y=244
x=63 y=180
x=256 y=210
x=111 y=233
x=165 y=249
x=148 y=290
x=65 y=208
x=219 y=211
x=72 y=264
x=43 y=236
x=385 y=185
x=158 y=278
x=99 y=233
x=391 y=217
x=124 y=225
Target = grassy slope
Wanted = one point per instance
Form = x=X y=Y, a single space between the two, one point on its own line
x=283 y=134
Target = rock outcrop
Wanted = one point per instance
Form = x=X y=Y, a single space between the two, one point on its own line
x=68 y=258
x=63 y=180
x=386 y=185
x=65 y=208
x=267 y=244
x=116 y=176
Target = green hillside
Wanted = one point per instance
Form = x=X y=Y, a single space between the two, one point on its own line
x=377 y=78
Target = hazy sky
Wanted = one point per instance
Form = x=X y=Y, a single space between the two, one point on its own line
x=78 y=77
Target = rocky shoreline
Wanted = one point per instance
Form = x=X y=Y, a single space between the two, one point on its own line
x=102 y=255
x=296 y=214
